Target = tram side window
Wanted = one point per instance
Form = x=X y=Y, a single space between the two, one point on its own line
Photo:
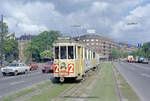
x=85 y=54
x=70 y=52
x=56 y=52
x=63 y=52
x=93 y=55
x=88 y=54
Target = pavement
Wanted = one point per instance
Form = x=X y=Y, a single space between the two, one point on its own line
x=138 y=76
x=12 y=84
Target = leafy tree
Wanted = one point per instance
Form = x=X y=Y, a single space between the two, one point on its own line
x=10 y=45
x=47 y=54
x=143 y=51
x=10 y=48
x=118 y=54
x=41 y=45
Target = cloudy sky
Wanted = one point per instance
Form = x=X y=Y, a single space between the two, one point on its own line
x=110 y=18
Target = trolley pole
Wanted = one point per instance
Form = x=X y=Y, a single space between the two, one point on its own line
x=2 y=40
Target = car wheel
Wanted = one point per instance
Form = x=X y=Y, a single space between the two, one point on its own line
x=15 y=73
x=43 y=71
x=26 y=72
x=4 y=74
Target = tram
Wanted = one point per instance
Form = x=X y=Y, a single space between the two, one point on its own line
x=72 y=59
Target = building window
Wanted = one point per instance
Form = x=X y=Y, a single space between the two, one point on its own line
x=84 y=40
x=96 y=43
x=92 y=43
x=96 y=39
x=87 y=43
x=92 y=39
x=87 y=40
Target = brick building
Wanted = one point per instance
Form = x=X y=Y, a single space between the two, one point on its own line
x=22 y=40
x=127 y=48
x=101 y=44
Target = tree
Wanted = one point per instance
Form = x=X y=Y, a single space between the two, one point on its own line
x=10 y=48
x=41 y=45
x=143 y=51
x=118 y=54
x=47 y=54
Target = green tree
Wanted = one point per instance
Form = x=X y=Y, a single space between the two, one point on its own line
x=41 y=43
x=118 y=54
x=11 y=48
x=47 y=54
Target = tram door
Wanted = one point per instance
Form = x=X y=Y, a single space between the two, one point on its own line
x=80 y=58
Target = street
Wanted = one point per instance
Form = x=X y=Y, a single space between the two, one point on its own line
x=138 y=76
x=11 y=84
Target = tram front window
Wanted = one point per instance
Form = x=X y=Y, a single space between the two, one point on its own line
x=57 y=52
x=63 y=52
x=70 y=52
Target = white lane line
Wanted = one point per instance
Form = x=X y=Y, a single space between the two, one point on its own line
x=14 y=83
x=145 y=75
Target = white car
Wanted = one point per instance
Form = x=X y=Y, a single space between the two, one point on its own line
x=15 y=68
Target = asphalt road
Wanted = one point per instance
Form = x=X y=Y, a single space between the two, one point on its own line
x=12 y=84
x=138 y=76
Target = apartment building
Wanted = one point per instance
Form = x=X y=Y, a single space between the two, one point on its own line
x=99 y=43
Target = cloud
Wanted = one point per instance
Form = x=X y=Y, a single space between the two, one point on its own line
x=138 y=32
x=107 y=17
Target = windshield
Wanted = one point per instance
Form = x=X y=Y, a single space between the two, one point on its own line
x=50 y=63
x=13 y=65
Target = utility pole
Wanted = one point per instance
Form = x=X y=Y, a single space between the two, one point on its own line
x=2 y=40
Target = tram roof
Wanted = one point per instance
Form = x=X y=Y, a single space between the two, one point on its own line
x=67 y=39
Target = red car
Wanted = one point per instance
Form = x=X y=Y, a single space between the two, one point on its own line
x=48 y=68
x=33 y=67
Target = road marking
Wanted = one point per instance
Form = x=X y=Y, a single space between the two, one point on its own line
x=14 y=83
x=145 y=75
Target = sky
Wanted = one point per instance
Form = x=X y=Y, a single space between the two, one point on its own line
x=110 y=18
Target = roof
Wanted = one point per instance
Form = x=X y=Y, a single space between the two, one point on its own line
x=93 y=36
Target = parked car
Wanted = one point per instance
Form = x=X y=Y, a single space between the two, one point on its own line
x=33 y=66
x=15 y=69
x=48 y=67
x=141 y=58
x=145 y=61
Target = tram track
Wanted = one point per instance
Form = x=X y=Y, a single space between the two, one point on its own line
x=77 y=91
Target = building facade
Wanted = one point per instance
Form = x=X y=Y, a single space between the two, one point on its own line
x=22 y=40
x=126 y=48
x=99 y=43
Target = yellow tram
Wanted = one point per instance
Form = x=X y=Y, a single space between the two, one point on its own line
x=72 y=59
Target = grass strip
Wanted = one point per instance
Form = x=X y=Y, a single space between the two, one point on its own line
x=50 y=93
x=126 y=91
x=12 y=97
x=105 y=89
